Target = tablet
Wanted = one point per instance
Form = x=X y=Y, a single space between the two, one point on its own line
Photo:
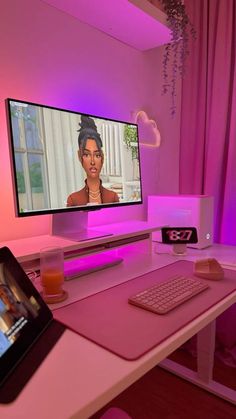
x=24 y=316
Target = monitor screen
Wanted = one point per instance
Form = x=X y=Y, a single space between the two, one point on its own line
x=64 y=160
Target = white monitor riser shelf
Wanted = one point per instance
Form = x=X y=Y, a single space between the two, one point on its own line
x=105 y=243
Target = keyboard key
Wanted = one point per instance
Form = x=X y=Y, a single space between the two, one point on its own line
x=181 y=297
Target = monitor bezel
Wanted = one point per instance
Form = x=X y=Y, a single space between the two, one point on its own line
x=95 y=207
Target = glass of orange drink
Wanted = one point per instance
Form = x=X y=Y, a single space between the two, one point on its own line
x=52 y=274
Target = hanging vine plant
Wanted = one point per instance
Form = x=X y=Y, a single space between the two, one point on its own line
x=177 y=50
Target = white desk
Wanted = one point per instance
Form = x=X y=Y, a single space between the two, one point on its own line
x=78 y=377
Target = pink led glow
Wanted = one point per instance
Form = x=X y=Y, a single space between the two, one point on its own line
x=83 y=69
x=91 y=263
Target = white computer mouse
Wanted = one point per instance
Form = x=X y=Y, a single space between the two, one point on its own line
x=208 y=269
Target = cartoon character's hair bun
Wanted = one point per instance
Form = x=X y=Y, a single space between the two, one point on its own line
x=88 y=129
x=87 y=122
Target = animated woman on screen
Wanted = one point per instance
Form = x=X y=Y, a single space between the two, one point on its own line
x=91 y=157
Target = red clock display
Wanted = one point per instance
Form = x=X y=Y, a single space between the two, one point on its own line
x=183 y=235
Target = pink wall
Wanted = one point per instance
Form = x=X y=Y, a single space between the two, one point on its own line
x=50 y=57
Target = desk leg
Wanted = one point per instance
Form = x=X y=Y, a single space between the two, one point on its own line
x=150 y=244
x=205 y=362
x=205 y=352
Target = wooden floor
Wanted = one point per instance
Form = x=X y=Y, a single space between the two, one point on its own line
x=160 y=394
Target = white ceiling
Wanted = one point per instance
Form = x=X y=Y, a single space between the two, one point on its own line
x=135 y=22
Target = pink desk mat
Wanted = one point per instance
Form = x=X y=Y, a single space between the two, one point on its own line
x=107 y=318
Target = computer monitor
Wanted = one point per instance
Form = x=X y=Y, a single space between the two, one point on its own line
x=65 y=161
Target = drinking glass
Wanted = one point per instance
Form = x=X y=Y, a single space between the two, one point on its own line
x=52 y=274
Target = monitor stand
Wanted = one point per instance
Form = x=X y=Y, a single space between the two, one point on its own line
x=73 y=226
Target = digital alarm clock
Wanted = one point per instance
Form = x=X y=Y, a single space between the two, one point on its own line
x=179 y=237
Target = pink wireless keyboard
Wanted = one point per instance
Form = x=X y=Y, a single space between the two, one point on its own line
x=165 y=296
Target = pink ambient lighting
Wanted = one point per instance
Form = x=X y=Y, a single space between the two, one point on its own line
x=83 y=69
x=92 y=263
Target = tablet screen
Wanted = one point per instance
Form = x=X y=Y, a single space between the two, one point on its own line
x=23 y=313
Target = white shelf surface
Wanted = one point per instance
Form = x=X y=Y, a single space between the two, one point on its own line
x=28 y=249
x=137 y=23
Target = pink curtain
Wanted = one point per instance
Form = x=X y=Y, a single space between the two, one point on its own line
x=208 y=130
x=208 y=122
